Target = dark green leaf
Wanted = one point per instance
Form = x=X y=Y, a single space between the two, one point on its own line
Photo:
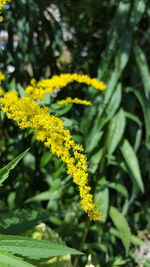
x=19 y=221
x=4 y=172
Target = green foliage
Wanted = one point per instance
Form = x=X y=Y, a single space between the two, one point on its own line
x=116 y=130
x=122 y=226
x=20 y=221
x=24 y=246
x=108 y=40
x=33 y=249
x=4 y=172
x=7 y=259
x=132 y=165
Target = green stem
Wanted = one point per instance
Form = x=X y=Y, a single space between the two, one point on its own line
x=83 y=239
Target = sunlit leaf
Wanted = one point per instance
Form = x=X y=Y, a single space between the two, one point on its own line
x=34 y=249
x=115 y=131
x=132 y=164
x=122 y=225
x=9 y=260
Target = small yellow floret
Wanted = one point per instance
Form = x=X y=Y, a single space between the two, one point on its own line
x=50 y=130
x=39 y=89
x=75 y=100
x=1 y=92
x=3 y=3
x=2 y=76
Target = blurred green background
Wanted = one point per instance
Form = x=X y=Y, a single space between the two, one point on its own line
x=110 y=40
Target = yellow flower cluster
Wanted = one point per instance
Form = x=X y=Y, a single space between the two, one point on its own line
x=75 y=100
x=2 y=76
x=39 y=89
x=50 y=130
x=3 y=2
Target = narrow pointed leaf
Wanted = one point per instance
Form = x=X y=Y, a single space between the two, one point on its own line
x=4 y=172
x=132 y=164
x=116 y=130
x=143 y=68
x=34 y=249
x=102 y=200
x=144 y=102
x=122 y=226
x=9 y=260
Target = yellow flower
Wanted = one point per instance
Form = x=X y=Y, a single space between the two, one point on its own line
x=3 y=2
x=2 y=76
x=50 y=130
x=1 y=92
x=75 y=100
x=39 y=89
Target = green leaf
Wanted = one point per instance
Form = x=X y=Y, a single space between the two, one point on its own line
x=19 y=221
x=133 y=118
x=138 y=139
x=122 y=226
x=146 y=110
x=33 y=249
x=115 y=131
x=137 y=12
x=94 y=161
x=119 y=261
x=146 y=263
x=60 y=110
x=95 y=134
x=122 y=28
x=120 y=188
x=12 y=85
x=138 y=242
x=47 y=233
x=110 y=108
x=21 y=90
x=4 y=172
x=53 y=194
x=9 y=260
x=45 y=158
x=121 y=59
x=102 y=200
x=92 y=140
x=132 y=164
x=113 y=34
x=143 y=68
x=46 y=195
x=87 y=119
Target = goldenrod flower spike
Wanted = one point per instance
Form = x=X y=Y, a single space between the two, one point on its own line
x=50 y=130
x=3 y=3
x=75 y=100
x=39 y=89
